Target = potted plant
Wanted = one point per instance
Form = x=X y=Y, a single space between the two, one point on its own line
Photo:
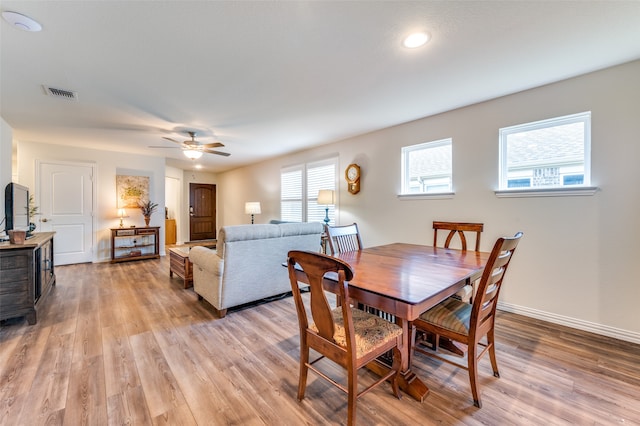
x=33 y=211
x=147 y=208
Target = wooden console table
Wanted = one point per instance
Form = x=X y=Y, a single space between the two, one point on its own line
x=134 y=243
x=26 y=276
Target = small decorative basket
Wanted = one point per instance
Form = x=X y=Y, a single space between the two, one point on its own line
x=17 y=237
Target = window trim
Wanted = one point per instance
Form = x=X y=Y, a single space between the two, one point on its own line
x=448 y=193
x=427 y=196
x=549 y=192
x=570 y=190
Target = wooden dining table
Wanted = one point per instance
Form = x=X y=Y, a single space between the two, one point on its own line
x=405 y=280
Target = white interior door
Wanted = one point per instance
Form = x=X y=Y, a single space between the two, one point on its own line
x=66 y=207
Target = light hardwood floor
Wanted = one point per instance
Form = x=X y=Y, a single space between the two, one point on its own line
x=126 y=344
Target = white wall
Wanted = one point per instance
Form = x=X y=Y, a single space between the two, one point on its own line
x=260 y=182
x=576 y=262
x=108 y=165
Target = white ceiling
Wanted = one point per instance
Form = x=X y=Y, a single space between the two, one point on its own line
x=270 y=77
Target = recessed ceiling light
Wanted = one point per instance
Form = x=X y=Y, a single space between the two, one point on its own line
x=21 y=22
x=416 y=40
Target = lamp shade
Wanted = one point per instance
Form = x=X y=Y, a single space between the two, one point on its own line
x=326 y=197
x=193 y=154
x=252 y=207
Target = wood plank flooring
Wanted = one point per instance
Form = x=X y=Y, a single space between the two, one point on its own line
x=125 y=344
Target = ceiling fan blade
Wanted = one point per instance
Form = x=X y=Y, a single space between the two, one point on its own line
x=212 y=145
x=159 y=146
x=210 y=151
x=172 y=140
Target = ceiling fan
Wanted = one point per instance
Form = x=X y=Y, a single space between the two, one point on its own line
x=193 y=149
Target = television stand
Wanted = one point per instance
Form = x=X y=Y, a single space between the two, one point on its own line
x=26 y=276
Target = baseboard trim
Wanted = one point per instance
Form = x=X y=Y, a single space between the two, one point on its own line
x=616 y=333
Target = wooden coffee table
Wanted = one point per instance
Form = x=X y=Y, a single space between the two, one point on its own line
x=180 y=265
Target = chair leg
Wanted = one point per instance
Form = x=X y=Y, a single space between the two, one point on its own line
x=352 y=395
x=492 y=353
x=451 y=346
x=472 y=362
x=397 y=364
x=304 y=370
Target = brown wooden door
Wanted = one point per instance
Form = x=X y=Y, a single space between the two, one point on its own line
x=202 y=211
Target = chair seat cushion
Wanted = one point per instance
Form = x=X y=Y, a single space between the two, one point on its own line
x=371 y=331
x=451 y=314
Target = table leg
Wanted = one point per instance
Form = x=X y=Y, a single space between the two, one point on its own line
x=408 y=381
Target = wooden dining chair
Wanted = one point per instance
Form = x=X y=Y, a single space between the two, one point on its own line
x=347 y=336
x=459 y=229
x=468 y=324
x=344 y=238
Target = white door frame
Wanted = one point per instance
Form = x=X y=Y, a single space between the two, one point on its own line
x=175 y=203
x=94 y=186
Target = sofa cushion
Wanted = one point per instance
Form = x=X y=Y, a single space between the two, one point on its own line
x=292 y=228
x=245 y=232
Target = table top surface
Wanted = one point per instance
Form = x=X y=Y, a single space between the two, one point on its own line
x=413 y=274
x=182 y=251
x=36 y=240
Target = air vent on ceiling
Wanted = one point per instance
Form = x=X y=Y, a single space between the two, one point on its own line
x=61 y=93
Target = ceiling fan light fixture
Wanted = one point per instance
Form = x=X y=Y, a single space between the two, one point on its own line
x=193 y=154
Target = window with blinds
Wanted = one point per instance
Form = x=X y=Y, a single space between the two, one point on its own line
x=291 y=195
x=300 y=185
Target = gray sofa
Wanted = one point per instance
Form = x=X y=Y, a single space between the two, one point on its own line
x=247 y=263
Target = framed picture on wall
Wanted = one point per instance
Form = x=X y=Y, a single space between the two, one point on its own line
x=131 y=190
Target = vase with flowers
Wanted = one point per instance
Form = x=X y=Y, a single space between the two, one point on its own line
x=147 y=208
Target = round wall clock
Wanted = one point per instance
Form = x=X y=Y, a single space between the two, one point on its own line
x=352 y=175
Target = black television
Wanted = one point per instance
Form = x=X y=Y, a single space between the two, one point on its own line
x=16 y=208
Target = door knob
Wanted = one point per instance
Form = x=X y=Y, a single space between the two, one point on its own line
x=44 y=219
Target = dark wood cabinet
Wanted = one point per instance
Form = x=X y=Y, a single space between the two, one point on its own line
x=26 y=276
x=134 y=243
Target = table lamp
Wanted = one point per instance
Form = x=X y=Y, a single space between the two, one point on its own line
x=252 y=208
x=326 y=197
x=122 y=214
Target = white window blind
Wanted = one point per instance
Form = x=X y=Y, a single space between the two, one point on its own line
x=299 y=191
x=291 y=194
x=320 y=175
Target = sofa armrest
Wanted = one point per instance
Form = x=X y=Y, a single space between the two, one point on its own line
x=207 y=260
